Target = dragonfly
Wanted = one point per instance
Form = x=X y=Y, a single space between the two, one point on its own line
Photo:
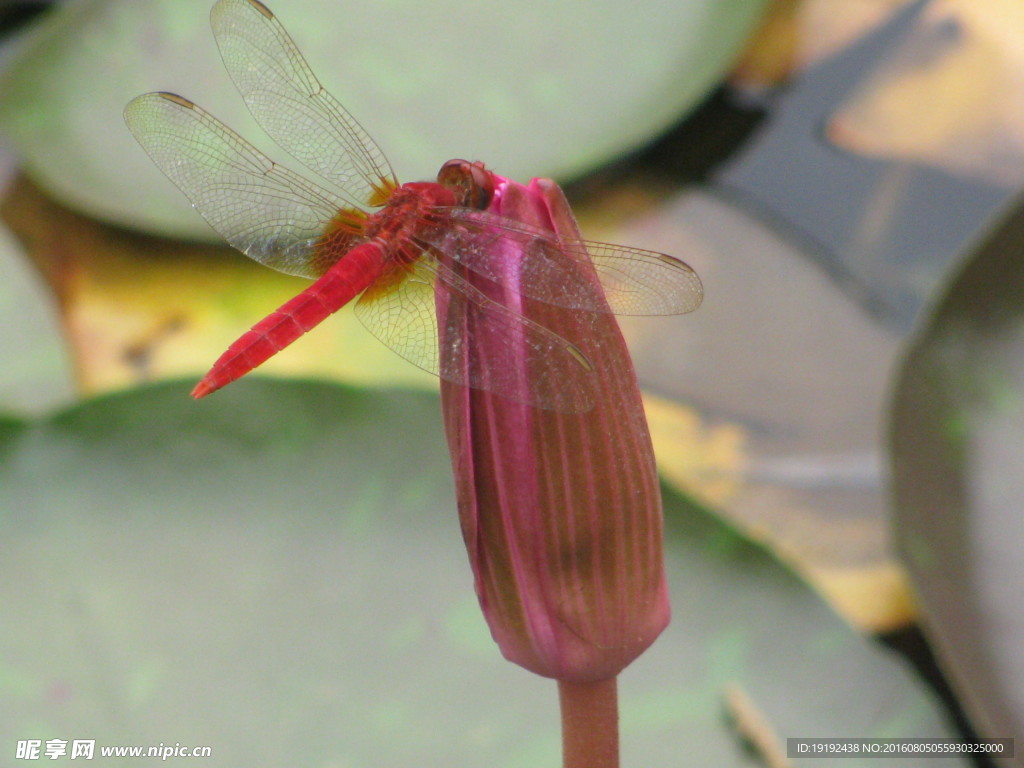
x=364 y=237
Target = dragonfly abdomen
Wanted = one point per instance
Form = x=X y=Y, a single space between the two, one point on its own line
x=334 y=289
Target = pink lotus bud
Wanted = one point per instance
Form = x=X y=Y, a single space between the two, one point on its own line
x=560 y=511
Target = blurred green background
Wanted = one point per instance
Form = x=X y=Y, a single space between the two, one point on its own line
x=277 y=571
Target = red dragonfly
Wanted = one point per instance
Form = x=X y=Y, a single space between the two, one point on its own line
x=364 y=233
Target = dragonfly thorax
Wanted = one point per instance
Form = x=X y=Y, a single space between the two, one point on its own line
x=410 y=208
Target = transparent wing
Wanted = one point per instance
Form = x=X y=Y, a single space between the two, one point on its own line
x=292 y=106
x=269 y=213
x=554 y=270
x=493 y=346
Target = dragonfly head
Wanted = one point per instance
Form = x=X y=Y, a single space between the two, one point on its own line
x=472 y=183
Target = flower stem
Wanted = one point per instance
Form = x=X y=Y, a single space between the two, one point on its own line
x=590 y=724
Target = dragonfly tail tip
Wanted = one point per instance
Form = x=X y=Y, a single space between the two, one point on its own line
x=202 y=389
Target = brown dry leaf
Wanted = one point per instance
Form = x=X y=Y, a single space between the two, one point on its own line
x=770 y=55
x=835 y=555
x=795 y=34
x=702 y=460
x=138 y=308
x=845 y=560
x=951 y=95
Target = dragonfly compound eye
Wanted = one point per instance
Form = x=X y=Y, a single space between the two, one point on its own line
x=472 y=183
